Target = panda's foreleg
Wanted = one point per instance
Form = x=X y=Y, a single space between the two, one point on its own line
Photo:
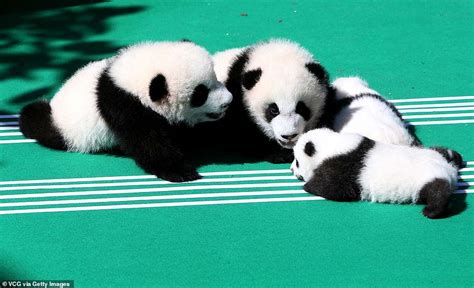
x=155 y=151
x=143 y=134
x=327 y=184
x=436 y=194
x=281 y=156
x=36 y=122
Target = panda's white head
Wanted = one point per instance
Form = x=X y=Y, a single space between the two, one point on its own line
x=284 y=89
x=315 y=146
x=175 y=79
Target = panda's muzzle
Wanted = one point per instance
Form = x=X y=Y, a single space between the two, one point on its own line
x=215 y=116
x=286 y=144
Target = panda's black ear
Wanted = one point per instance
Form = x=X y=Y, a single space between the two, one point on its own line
x=309 y=149
x=319 y=72
x=158 y=88
x=251 y=78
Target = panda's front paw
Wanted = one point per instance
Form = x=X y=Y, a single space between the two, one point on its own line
x=178 y=174
x=283 y=156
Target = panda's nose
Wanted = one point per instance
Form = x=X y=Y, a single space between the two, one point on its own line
x=289 y=137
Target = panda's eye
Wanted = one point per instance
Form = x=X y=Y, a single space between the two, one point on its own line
x=271 y=112
x=297 y=164
x=303 y=110
x=199 y=96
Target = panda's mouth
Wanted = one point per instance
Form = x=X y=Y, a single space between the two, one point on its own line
x=286 y=144
x=215 y=116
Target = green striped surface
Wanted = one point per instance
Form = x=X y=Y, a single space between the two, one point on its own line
x=100 y=221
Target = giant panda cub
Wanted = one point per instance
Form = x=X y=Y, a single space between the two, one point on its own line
x=350 y=167
x=137 y=100
x=278 y=89
x=360 y=109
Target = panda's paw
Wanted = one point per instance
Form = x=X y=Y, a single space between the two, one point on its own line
x=181 y=174
x=284 y=156
x=433 y=213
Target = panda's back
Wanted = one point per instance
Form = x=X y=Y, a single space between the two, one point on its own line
x=223 y=61
x=374 y=119
x=75 y=112
x=396 y=174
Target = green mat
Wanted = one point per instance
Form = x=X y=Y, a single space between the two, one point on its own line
x=100 y=221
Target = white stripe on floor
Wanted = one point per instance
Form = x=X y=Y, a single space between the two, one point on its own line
x=402 y=111
x=447 y=98
x=11 y=134
x=9 y=128
x=17 y=141
x=459 y=104
x=174 y=204
x=8 y=123
x=438 y=116
x=150 y=190
x=146 y=183
x=156 y=205
x=441 y=122
x=147 y=198
x=463 y=177
x=114 y=178
x=9 y=116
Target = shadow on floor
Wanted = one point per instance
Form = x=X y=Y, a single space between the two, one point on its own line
x=52 y=35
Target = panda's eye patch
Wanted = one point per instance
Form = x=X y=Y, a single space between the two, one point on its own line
x=271 y=112
x=303 y=110
x=309 y=149
x=199 y=96
x=158 y=89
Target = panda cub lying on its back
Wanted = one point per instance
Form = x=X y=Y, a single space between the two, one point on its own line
x=350 y=167
x=360 y=109
x=136 y=101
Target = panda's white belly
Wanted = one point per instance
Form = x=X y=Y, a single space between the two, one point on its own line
x=75 y=111
x=374 y=120
x=396 y=174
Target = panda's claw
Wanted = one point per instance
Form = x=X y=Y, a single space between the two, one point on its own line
x=179 y=175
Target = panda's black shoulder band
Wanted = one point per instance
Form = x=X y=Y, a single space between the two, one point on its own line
x=121 y=110
x=337 y=178
x=234 y=75
x=142 y=133
x=347 y=101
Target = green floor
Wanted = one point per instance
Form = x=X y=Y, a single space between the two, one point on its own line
x=252 y=226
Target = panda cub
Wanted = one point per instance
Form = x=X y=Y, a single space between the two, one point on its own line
x=350 y=167
x=361 y=110
x=137 y=100
x=278 y=89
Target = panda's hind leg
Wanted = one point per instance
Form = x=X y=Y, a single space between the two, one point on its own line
x=36 y=122
x=436 y=194
x=450 y=155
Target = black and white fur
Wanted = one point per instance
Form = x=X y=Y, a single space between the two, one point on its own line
x=278 y=89
x=350 y=167
x=360 y=109
x=136 y=100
